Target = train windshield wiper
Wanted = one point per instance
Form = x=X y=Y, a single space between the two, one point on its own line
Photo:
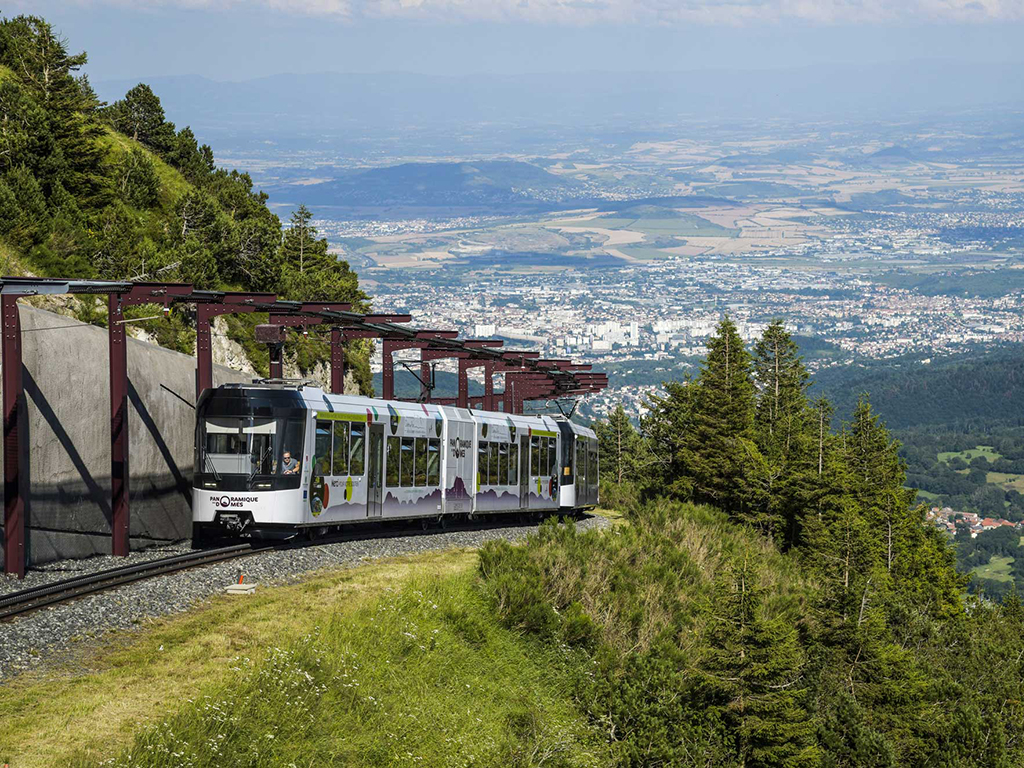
x=207 y=461
x=257 y=464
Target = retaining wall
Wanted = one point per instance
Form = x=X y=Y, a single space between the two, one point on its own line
x=66 y=438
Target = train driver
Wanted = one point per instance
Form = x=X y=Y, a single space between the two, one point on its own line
x=289 y=466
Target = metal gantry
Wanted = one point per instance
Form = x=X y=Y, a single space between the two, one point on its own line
x=526 y=376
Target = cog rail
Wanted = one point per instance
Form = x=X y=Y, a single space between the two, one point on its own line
x=61 y=591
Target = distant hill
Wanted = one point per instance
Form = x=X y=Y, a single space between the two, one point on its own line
x=894 y=155
x=965 y=392
x=490 y=182
x=335 y=105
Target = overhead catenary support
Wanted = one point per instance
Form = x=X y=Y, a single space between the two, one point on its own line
x=220 y=304
x=467 y=351
x=13 y=401
x=391 y=345
x=117 y=351
x=296 y=314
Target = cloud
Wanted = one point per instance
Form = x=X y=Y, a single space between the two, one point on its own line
x=583 y=12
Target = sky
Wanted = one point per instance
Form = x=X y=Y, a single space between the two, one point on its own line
x=243 y=39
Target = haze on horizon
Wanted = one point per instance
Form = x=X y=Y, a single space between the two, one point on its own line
x=226 y=40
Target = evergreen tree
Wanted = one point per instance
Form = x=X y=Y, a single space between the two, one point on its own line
x=781 y=480
x=135 y=176
x=300 y=244
x=139 y=115
x=620 y=447
x=665 y=428
x=755 y=667
x=720 y=444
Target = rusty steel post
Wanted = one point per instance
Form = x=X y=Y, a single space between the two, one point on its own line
x=388 y=370
x=13 y=398
x=204 y=349
x=337 y=362
x=276 y=360
x=489 y=387
x=119 y=476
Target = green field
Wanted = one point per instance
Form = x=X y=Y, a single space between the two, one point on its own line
x=998 y=569
x=927 y=495
x=986 y=451
x=1006 y=481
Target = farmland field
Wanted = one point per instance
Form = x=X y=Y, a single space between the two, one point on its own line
x=998 y=569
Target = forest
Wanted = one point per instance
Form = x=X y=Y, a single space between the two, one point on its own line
x=117 y=191
x=777 y=598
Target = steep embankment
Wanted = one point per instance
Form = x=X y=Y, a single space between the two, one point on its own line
x=119 y=192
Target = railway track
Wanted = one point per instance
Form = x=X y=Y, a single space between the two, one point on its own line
x=56 y=592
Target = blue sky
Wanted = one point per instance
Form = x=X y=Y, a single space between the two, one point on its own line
x=236 y=39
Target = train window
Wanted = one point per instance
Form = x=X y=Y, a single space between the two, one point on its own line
x=357 y=450
x=434 y=462
x=322 y=448
x=581 y=463
x=534 y=456
x=481 y=462
x=394 y=452
x=340 y=448
x=408 y=444
x=513 y=464
x=421 y=461
x=492 y=465
x=503 y=464
x=552 y=456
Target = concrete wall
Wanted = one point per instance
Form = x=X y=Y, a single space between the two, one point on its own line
x=67 y=436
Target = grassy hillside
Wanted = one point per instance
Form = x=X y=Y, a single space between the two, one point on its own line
x=400 y=663
x=119 y=192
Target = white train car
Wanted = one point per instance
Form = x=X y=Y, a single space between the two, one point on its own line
x=273 y=460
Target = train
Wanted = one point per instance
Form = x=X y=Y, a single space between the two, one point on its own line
x=276 y=460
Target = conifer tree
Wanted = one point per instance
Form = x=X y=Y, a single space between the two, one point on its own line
x=782 y=481
x=755 y=667
x=665 y=429
x=720 y=444
x=300 y=244
x=619 y=445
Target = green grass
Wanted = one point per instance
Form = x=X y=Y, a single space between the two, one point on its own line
x=423 y=677
x=997 y=569
x=926 y=495
x=1006 y=481
x=172 y=184
x=397 y=663
x=986 y=451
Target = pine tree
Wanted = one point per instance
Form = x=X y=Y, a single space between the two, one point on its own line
x=782 y=480
x=755 y=667
x=619 y=445
x=140 y=115
x=300 y=244
x=720 y=444
x=665 y=429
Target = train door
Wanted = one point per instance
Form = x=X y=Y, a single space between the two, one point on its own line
x=375 y=472
x=524 y=472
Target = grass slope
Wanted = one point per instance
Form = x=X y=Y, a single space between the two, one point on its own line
x=395 y=663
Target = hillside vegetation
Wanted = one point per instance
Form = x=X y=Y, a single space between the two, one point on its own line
x=118 y=192
x=879 y=657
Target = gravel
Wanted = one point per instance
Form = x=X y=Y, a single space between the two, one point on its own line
x=59 y=570
x=51 y=635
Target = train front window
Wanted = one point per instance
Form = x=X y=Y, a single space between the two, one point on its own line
x=248 y=451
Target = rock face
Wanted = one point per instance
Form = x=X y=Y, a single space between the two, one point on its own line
x=229 y=353
x=66 y=429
